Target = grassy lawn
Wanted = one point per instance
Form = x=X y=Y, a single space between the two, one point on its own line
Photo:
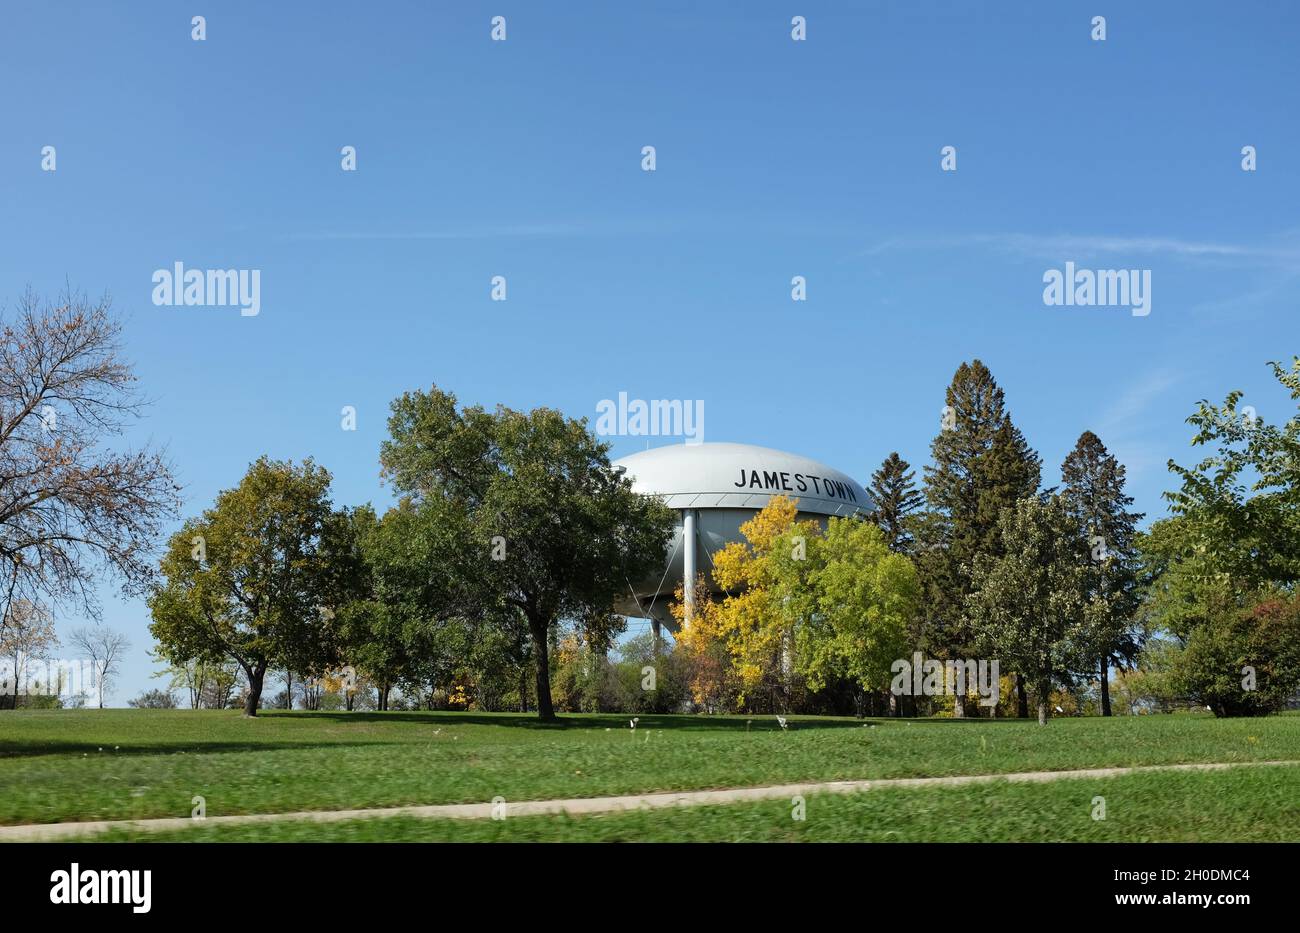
x=153 y=762
x=1250 y=805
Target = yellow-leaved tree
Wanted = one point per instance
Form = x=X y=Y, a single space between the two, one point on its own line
x=743 y=644
x=800 y=604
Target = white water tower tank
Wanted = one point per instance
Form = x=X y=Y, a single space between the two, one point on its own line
x=715 y=488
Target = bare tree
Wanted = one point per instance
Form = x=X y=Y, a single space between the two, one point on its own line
x=28 y=635
x=223 y=682
x=104 y=648
x=68 y=506
x=287 y=679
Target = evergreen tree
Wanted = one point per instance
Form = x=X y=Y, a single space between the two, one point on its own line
x=896 y=497
x=1094 y=495
x=982 y=465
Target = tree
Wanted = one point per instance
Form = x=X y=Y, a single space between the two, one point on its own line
x=712 y=678
x=982 y=465
x=224 y=687
x=397 y=620
x=104 y=648
x=207 y=681
x=1180 y=585
x=68 y=504
x=1243 y=662
x=547 y=529
x=753 y=623
x=896 y=497
x=153 y=699
x=1093 y=493
x=28 y=636
x=824 y=605
x=1241 y=504
x=1030 y=604
x=249 y=579
x=863 y=595
x=1214 y=572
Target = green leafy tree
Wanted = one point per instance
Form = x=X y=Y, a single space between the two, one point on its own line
x=668 y=690
x=1241 y=504
x=548 y=529
x=896 y=498
x=1149 y=685
x=395 y=595
x=248 y=580
x=1181 y=587
x=1093 y=492
x=855 y=600
x=981 y=466
x=1229 y=551
x=1030 y=604
x=1243 y=662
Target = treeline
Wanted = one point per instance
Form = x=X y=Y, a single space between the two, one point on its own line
x=979 y=561
x=489 y=584
x=511 y=530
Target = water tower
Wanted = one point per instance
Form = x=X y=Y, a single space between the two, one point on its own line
x=715 y=488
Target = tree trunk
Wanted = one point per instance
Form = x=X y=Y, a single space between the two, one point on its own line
x=540 y=629
x=1044 y=697
x=254 y=690
x=1022 y=698
x=523 y=689
x=1105 y=686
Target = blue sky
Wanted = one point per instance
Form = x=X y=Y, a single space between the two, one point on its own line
x=774 y=159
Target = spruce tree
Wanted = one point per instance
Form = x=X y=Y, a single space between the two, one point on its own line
x=896 y=497
x=982 y=465
x=1094 y=494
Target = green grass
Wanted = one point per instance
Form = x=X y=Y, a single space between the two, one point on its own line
x=154 y=761
x=1249 y=805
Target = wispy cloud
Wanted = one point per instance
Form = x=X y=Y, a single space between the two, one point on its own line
x=1284 y=252
x=1124 y=426
x=673 y=223
x=1127 y=412
x=465 y=233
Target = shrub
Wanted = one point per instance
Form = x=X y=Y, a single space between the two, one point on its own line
x=1214 y=666
x=153 y=699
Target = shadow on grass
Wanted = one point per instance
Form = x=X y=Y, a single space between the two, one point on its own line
x=590 y=721
x=399 y=728
x=36 y=749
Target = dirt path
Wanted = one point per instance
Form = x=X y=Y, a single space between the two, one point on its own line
x=45 y=832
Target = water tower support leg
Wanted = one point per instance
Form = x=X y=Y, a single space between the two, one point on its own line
x=688 y=560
